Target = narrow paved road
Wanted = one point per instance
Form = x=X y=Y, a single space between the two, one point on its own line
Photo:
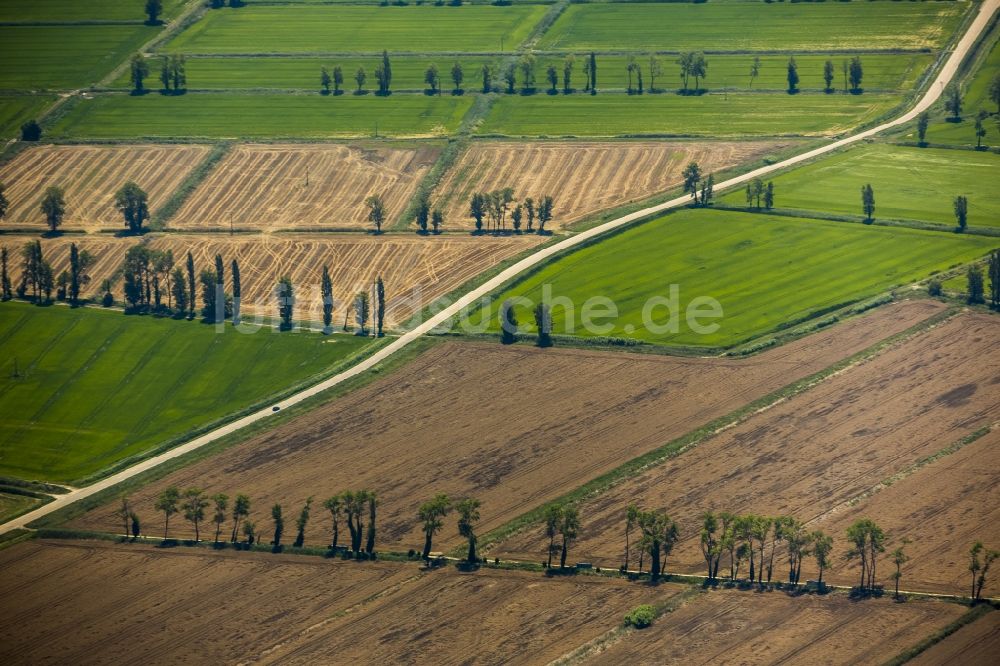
x=934 y=91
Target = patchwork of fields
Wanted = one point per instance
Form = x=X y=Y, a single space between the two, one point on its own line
x=828 y=385
x=389 y=436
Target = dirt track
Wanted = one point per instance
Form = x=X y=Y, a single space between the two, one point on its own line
x=824 y=447
x=302 y=187
x=416 y=270
x=770 y=628
x=97 y=602
x=436 y=426
x=584 y=177
x=90 y=176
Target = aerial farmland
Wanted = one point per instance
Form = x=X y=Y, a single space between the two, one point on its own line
x=489 y=332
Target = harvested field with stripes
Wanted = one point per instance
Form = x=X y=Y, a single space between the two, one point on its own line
x=580 y=413
x=90 y=176
x=303 y=187
x=749 y=628
x=976 y=644
x=583 y=177
x=817 y=453
x=416 y=270
x=235 y=607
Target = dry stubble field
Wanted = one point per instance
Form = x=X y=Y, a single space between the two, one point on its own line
x=97 y=602
x=736 y=627
x=584 y=177
x=976 y=644
x=90 y=176
x=812 y=454
x=303 y=186
x=416 y=270
x=436 y=426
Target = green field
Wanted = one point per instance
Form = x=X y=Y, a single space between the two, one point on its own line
x=62 y=57
x=617 y=114
x=80 y=10
x=15 y=110
x=359 y=29
x=917 y=184
x=765 y=271
x=243 y=73
x=975 y=99
x=14 y=504
x=730 y=26
x=213 y=115
x=882 y=72
x=98 y=387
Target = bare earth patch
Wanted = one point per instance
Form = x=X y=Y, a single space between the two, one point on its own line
x=735 y=627
x=818 y=450
x=416 y=270
x=303 y=186
x=73 y=602
x=90 y=176
x=444 y=423
x=584 y=177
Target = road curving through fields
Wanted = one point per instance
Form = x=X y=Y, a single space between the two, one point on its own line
x=934 y=91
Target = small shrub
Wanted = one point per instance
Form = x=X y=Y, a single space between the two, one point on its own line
x=108 y=299
x=934 y=288
x=640 y=617
x=30 y=131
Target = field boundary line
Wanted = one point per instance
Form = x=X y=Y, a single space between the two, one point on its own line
x=965 y=619
x=906 y=472
x=933 y=93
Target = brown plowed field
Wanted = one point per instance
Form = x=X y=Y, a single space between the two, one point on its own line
x=93 y=602
x=976 y=644
x=732 y=627
x=943 y=508
x=512 y=426
x=416 y=270
x=584 y=177
x=819 y=450
x=90 y=176
x=264 y=186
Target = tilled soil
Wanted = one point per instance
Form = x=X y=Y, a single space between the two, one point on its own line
x=819 y=450
x=734 y=627
x=97 y=602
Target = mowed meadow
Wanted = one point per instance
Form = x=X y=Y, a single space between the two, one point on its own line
x=765 y=271
x=261 y=116
x=93 y=388
x=348 y=28
x=724 y=26
x=911 y=184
